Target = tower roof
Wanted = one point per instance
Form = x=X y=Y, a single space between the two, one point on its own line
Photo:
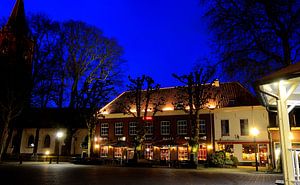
x=17 y=20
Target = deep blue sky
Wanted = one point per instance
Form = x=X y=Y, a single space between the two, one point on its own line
x=159 y=37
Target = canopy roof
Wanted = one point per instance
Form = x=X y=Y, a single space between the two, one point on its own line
x=289 y=77
x=282 y=89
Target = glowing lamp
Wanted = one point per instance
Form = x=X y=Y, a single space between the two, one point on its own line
x=254 y=132
x=148 y=118
x=59 y=134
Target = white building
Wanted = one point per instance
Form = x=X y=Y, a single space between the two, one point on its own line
x=233 y=132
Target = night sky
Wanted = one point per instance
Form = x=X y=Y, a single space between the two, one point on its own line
x=159 y=37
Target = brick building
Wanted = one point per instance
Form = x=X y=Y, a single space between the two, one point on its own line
x=169 y=132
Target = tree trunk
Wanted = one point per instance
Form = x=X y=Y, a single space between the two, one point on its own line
x=36 y=143
x=91 y=136
x=8 y=141
x=3 y=141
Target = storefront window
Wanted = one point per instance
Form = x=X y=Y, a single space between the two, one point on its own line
x=248 y=152
x=104 y=151
x=263 y=158
x=227 y=148
x=183 y=153
x=118 y=152
x=202 y=153
x=149 y=152
x=164 y=154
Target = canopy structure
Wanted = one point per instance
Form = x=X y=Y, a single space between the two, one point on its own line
x=281 y=89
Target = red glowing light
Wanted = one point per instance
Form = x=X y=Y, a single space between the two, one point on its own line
x=148 y=118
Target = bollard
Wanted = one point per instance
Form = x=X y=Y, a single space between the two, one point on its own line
x=50 y=161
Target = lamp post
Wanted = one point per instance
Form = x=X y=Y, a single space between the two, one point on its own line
x=212 y=132
x=254 y=133
x=59 y=135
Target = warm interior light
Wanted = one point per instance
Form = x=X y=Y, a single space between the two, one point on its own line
x=47 y=152
x=209 y=147
x=167 y=109
x=97 y=146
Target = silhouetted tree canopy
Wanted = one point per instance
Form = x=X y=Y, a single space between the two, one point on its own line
x=254 y=37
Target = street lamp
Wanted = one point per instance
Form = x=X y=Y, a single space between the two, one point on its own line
x=212 y=132
x=59 y=135
x=254 y=133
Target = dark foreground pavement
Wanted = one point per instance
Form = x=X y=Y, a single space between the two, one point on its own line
x=70 y=174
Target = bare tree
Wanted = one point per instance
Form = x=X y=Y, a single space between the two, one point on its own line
x=254 y=37
x=45 y=33
x=141 y=101
x=194 y=96
x=93 y=67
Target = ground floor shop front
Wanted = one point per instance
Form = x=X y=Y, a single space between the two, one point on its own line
x=245 y=152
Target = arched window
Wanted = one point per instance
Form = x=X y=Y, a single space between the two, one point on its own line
x=47 y=141
x=31 y=141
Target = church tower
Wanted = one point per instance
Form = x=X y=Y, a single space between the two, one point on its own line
x=16 y=45
x=16 y=51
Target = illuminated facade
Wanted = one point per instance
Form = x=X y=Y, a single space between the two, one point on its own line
x=233 y=133
x=222 y=126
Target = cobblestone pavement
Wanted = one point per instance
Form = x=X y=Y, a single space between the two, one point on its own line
x=65 y=174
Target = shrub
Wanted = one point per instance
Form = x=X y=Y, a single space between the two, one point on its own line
x=235 y=161
x=218 y=158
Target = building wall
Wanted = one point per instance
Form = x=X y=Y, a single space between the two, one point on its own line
x=77 y=140
x=156 y=126
x=26 y=148
x=257 y=117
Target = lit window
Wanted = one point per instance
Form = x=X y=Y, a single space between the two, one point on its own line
x=104 y=151
x=165 y=128
x=182 y=153
x=118 y=152
x=182 y=127
x=248 y=152
x=202 y=152
x=132 y=128
x=104 y=129
x=119 y=128
x=148 y=152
